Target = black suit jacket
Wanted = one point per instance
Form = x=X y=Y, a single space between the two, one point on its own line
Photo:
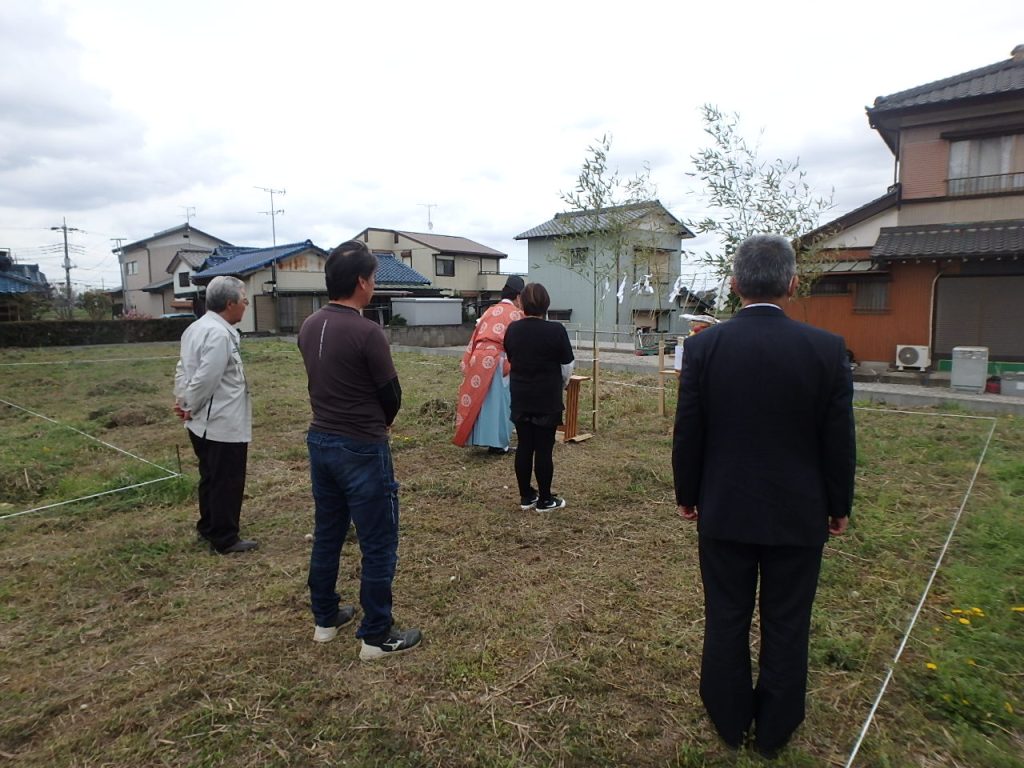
x=764 y=441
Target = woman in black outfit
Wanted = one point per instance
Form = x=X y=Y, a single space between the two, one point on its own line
x=542 y=361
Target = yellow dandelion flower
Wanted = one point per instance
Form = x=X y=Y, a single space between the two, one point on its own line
x=957 y=610
x=932 y=665
x=1018 y=608
x=1008 y=707
x=964 y=620
x=972 y=662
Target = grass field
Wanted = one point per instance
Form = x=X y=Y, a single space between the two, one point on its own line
x=567 y=639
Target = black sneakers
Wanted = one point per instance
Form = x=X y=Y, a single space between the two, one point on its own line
x=326 y=634
x=549 y=504
x=528 y=502
x=396 y=641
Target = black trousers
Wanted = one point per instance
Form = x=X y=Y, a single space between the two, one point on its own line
x=533 y=454
x=789 y=579
x=221 y=485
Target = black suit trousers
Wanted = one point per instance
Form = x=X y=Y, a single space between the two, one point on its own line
x=788 y=578
x=221 y=487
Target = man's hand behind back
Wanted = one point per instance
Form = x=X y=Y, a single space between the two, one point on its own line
x=687 y=513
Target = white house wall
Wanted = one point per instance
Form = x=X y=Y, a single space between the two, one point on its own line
x=863 y=234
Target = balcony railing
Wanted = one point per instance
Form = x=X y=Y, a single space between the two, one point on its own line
x=986 y=185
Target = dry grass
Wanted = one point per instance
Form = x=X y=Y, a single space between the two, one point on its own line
x=566 y=639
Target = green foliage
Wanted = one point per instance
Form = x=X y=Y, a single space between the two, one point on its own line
x=97 y=305
x=750 y=196
x=398 y=321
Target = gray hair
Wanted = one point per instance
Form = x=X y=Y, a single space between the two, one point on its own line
x=763 y=266
x=221 y=290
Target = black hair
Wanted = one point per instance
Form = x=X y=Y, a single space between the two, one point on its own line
x=345 y=265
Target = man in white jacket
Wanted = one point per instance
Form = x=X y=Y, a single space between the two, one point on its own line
x=212 y=399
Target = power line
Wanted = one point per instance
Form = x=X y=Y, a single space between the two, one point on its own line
x=67 y=262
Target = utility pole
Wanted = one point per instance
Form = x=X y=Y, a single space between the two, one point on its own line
x=117 y=241
x=67 y=262
x=428 y=206
x=272 y=213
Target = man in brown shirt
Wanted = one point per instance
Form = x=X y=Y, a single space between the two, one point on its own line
x=355 y=395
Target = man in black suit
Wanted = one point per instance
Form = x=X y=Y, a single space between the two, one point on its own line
x=763 y=457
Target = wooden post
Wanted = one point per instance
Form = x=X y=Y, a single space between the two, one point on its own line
x=568 y=432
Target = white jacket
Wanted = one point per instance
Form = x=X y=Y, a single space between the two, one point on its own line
x=210 y=382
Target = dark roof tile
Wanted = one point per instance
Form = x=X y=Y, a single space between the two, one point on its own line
x=982 y=239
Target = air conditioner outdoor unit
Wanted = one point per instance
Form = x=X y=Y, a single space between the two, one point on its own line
x=912 y=356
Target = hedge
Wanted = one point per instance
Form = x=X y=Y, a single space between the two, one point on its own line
x=72 y=333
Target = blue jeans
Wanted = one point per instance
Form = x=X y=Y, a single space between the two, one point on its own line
x=353 y=481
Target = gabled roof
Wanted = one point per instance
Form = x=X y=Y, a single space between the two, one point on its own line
x=446 y=244
x=600 y=219
x=1002 y=80
x=856 y=216
x=242 y=260
x=392 y=271
x=974 y=240
x=193 y=257
x=183 y=229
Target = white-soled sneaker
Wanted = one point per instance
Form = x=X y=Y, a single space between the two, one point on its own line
x=326 y=634
x=528 y=502
x=554 y=502
x=395 y=642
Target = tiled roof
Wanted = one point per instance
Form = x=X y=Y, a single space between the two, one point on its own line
x=14 y=283
x=1003 y=77
x=158 y=286
x=391 y=271
x=451 y=244
x=984 y=239
x=241 y=260
x=22 y=278
x=600 y=219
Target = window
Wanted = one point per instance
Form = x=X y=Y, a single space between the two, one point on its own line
x=444 y=267
x=131 y=268
x=830 y=286
x=652 y=261
x=578 y=256
x=183 y=281
x=871 y=296
x=562 y=315
x=407 y=257
x=986 y=166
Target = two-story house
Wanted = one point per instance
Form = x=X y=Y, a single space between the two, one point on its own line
x=938 y=261
x=285 y=283
x=146 y=284
x=641 y=262
x=456 y=266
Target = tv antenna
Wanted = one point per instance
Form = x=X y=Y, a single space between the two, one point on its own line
x=272 y=213
x=428 y=206
x=190 y=211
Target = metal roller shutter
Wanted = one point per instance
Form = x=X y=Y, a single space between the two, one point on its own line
x=980 y=312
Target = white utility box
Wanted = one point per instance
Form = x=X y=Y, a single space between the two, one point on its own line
x=969 y=369
x=428 y=311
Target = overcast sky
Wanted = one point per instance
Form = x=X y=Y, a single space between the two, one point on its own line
x=121 y=114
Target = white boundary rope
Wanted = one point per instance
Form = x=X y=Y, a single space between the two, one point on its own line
x=934 y=573
x=170 y=473
x=79 y=362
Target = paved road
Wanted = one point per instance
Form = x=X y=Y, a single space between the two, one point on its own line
x=899 y=394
